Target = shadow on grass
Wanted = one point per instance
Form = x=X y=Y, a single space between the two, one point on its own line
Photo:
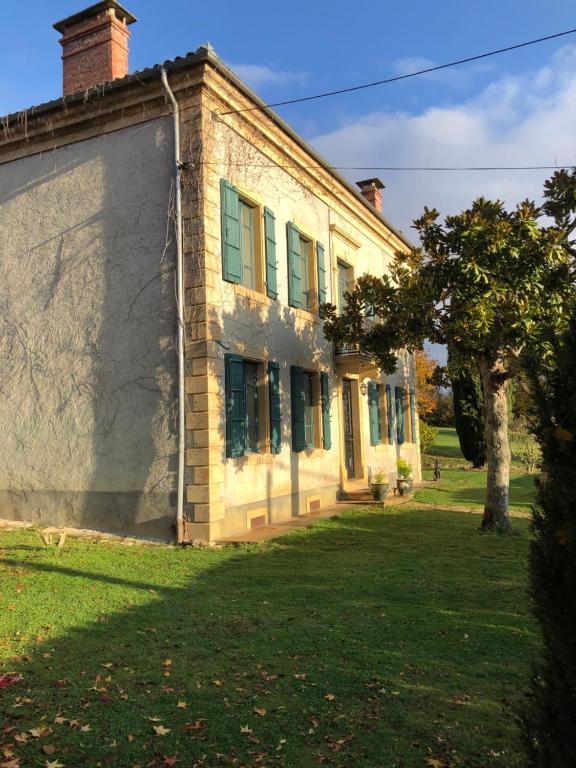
x=371 y=640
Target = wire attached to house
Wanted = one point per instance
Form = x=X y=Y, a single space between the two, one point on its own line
x=401 y=168
x=403 y=77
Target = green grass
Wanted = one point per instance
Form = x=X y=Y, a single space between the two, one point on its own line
x=375 y=640
x=446 y=445
x=467 y=488
x=462 y=486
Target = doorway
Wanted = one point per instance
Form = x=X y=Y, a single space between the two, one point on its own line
x=349 y=460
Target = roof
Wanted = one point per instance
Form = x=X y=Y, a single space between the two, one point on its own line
x=94 y=10
x=205 y=53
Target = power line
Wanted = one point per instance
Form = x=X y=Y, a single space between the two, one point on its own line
x=402 y=77
x=402 y=168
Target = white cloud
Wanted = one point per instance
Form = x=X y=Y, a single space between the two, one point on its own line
x=260 y=76
x=515 y=120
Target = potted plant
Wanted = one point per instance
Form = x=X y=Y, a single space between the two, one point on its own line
x=404 y=482
x=380 y=486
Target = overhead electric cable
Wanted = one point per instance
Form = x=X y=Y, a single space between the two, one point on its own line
x=402 y=168
x=402 y=77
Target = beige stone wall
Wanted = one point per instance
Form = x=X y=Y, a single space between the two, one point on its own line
x=271 y=171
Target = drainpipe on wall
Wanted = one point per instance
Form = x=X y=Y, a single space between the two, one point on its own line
x=180 y=309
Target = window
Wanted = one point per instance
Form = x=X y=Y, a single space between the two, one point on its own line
x=245 y=260
x=247 y=245
x=309 y=405
x=399 y=393
x=344 y=280
x=310 y=397
x=306 y=274
x=413 y=415
x=246 y=407
x=251 y=383
x=390 y=414
x=375 y=413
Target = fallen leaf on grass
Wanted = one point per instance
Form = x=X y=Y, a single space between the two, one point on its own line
x=60 y=720
x=196 y=726
x=7 y=680
x=245 y=729
x=182 y=704
x=260 y=711
x=329 y=697
x=15 y=763
x=159 y=730
x=217 y=682
x=433 y=762
x=48 y=749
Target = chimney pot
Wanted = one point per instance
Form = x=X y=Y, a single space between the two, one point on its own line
x=372 y=191
x=95 y=45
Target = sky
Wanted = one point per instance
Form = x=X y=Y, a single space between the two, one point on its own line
x=518 y=108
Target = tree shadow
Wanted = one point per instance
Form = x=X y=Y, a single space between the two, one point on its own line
x=348 y=644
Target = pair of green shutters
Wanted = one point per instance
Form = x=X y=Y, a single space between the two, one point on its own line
x=375 y=418
x=231 y=240
x=400 y=396
x=296 y=294
x=232 y=251
x=236 y=411
x=375 y=414
x=299 y=380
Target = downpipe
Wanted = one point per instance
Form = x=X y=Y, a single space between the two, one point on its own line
x=180 y=308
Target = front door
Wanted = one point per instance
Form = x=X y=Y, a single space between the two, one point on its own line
x=348 y=428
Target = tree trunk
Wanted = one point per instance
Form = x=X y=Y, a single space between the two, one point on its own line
x=495 y=384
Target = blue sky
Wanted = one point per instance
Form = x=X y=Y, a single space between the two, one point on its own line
x=515 y=109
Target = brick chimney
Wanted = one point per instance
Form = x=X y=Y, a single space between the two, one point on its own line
x=372 y=191
x=95 y=45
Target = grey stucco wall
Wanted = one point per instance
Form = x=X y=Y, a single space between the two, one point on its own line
x=87 y=323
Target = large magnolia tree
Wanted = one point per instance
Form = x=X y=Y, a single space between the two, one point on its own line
x=484 y=282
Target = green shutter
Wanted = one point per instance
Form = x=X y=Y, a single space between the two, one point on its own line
x=294 y=266
x=399 y=392
x=390 y=414
x=235 y=390
x=271 y=266
x=275 y=408
x=413 y=415
x=326 y=426
x=321 y=274
x=374 y=413
x=231 y=254
x=297 y=380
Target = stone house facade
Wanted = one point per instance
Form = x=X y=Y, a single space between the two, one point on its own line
x=166 y=241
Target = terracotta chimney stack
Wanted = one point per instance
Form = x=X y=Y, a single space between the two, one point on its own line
x=95 y=45
x=372 y=191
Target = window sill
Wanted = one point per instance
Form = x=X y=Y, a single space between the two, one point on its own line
x=311 y=453
x=251 y=459
x=253 y=296
x=305 y=314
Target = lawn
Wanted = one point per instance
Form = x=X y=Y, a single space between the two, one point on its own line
x=373 y=640
x=462 y=486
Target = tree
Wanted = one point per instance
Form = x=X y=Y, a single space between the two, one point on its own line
x=425 y=386
x=549 y=718
x=483 y=283
x=469 y=414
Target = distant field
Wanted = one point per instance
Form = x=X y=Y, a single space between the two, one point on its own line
x=467 y=487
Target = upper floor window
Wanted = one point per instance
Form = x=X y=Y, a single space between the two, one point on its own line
x=345 y=279
x=306 y=270
x=248 y=241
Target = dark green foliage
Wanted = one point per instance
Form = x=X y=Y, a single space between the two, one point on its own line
x=469 y=415
x=550 y=718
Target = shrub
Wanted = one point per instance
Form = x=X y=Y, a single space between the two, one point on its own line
x=404 y=469
x=428 y=435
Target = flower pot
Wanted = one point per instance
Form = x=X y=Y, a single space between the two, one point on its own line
x=403 y=485
x=380 y=491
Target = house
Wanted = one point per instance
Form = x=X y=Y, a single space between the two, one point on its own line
x=166 y=241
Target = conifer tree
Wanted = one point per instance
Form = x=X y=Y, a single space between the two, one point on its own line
x=550 y=717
